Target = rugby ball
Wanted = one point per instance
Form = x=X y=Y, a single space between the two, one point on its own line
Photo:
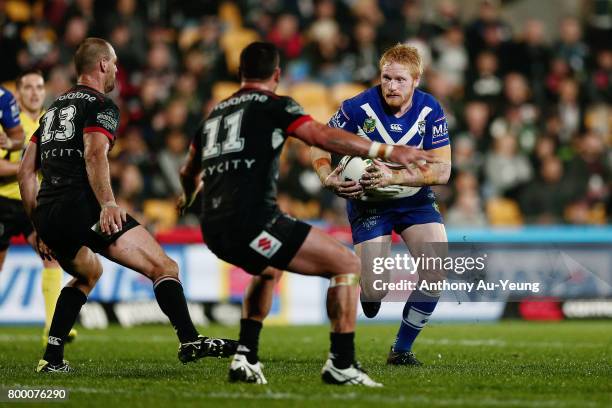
x=354 y=167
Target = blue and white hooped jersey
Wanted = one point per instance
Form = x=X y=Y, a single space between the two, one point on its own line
x=423 y=126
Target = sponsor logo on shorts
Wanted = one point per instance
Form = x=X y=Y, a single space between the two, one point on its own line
x=371 y=222
x=265 y=244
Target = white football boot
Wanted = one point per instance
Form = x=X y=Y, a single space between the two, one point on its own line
x=242 y=370
x=353 y=375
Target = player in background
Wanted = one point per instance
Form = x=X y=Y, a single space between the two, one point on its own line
x=30 y=87
x=12 y=137
x=395 y=112
x=11 y=143
x=75 y=214
x=235 y=157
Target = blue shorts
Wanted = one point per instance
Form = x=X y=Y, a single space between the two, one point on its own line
x=374 y=219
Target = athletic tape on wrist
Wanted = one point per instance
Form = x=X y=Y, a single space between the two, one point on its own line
x=347 y=279
x=374 y=148
x=323 y=161
x=388 y=151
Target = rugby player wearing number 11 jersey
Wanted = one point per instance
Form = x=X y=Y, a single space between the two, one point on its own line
x=235 y=154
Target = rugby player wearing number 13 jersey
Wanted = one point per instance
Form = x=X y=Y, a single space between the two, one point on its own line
x=75 y=213
x=236 y=152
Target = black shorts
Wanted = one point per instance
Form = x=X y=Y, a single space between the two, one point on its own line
x=13 y=221
x=66 y=225
x=255 y=247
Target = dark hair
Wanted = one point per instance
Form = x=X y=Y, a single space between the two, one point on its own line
x=258 y=61
x=31 y=71
x=88 y=54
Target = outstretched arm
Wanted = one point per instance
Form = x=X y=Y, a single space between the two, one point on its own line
x=438 y=172
x=342 y=142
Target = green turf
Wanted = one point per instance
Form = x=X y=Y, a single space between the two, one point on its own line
x=511 y=364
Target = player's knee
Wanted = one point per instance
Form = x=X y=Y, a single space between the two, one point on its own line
x=93 y=274
x=350 y=263
x=347 y=271
x=164 y=267
x=271 y=273
x=371 y=293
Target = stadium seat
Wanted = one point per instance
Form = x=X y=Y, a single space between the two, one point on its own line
x=321 y=111
x=161 y=213
x=232 y=42
x=309 y=93
x=10 y=85
x=229 y=14
x=18 y=11
x=343 y=91
x=282 y=89
x=503 y=212
x=224 y=89
x=187 y=37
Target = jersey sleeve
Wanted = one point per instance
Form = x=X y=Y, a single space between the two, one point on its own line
x=343 y=119
x=9 y=110
x=105 y=120
x=291 y=115
x=35 y=135
x=436 y=129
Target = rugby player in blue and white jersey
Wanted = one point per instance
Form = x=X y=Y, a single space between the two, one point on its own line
x=395 y=112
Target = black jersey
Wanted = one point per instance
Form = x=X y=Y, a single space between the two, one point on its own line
x=240 y=144
x=60 y=139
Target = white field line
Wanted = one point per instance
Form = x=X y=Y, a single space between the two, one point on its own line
x=349 y=396
x=8 y=338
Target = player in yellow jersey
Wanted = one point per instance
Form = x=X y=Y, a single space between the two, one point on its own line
x=30 y=95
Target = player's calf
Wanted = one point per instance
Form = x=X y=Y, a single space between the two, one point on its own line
x=164 y=266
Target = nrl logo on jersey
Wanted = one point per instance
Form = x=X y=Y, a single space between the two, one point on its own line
x=421 y=127
x=369 y=125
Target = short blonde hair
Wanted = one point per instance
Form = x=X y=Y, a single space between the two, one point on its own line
x=405 y=55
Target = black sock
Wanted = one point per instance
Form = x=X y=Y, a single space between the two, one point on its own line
x=66 y=312
x=248 y=343
x=171 y=300
x=342 y=349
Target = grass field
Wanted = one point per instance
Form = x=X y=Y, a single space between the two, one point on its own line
x=511 y=364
